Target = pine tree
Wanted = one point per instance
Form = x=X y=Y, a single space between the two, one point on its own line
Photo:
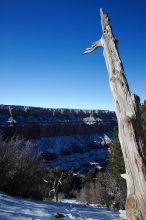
x=116 y=161
x=143 y=116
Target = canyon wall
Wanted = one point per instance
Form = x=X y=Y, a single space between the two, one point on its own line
x=65 y=138
x=33 y=122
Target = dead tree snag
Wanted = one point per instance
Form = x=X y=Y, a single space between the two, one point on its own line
x=130 y=130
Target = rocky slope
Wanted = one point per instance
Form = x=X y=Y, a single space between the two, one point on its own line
x=67 y=137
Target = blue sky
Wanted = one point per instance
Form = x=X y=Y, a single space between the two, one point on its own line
x=41 y=42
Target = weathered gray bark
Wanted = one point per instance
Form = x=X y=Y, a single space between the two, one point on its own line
x=130 y=131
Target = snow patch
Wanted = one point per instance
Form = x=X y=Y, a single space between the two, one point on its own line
x=12 y=208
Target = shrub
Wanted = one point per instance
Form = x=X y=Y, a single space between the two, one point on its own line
x=19 y=167
x=102 y=189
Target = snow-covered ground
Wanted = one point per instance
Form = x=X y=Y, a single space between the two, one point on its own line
x=23 y=209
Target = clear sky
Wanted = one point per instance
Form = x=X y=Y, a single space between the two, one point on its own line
x=41 y=42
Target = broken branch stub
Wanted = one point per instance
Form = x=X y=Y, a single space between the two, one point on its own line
x=93 y=47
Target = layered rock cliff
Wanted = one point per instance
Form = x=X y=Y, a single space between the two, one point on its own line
x=66 y=137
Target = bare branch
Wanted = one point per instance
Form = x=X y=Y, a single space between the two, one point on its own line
x=46 y=181
x=93 y=47
x=52 y=190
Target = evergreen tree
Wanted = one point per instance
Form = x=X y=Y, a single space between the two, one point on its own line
x=116 y=161
x=143 y=116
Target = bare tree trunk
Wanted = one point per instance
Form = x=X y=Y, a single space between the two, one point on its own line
x=130 y=130
x=56 y=196
x=56 y=184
